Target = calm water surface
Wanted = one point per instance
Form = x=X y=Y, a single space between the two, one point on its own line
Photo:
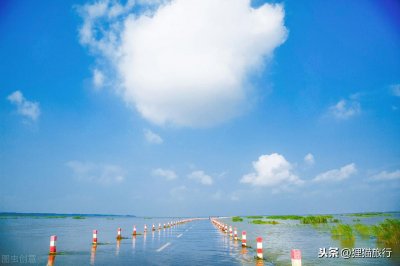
x=194 y=243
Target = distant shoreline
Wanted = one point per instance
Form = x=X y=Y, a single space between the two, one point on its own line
x=63 y=214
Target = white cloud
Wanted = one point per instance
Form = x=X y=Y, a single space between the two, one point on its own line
x=152 y=137
x=345 y=109
x=168 y=174
x=98 y=78
x=395 y=89
x=337 y=174
x=309 y=159
x=187 y=62
x=99 y=173
x=271 y=170
x=384 y=176
x=24 y=107
x=217 y=195
x=201 y=177
x=179 y=192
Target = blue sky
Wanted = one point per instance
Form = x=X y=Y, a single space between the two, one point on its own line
x=199 y=107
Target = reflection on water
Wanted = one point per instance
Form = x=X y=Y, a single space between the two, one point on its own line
x=93 y=254
x=51 y=260
x=133 y=242
x=199 y=243
x=118 y=246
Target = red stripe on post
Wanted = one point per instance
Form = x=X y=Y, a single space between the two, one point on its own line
x=295 y=254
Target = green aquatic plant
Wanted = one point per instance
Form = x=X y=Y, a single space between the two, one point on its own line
x=254 y=217
x=334 y=220
x=284 y=217
x=364 y=230
x=78 y=217
x=316 y=219
x=264 y=222
x=356 y=220
x=369 y=214
x=388 y=232
x=237 y=219
x=343 y=231
x=56 y=217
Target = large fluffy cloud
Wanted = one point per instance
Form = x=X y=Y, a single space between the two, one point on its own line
x=186 y=62
x=271 y=170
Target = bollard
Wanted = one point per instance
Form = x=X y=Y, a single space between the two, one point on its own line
x=244 y=241
x=153 y=228
x=230 y=231
x=119 y=233
x=296 y=257
x=53 y=240
x=94 y=242
x=134 y=230
x=235 y=234
x=145 y=228
x=259 y=248
x=159 y=226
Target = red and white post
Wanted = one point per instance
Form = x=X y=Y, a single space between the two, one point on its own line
x=145 y=228
x=235 y=234
x=296 y=257
x=230 y=231
x=153 y=228
x=119 y=236
x=94 y=241
x=134 y=230
x=53 y=248
x=244 y=240
x=259 y=248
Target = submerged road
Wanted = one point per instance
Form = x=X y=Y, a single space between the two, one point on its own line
x=193 y=243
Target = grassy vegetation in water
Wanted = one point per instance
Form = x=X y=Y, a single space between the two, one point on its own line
x=316 y=219
x=284 y=217
x=254 y=217
x=263 y=222
x=78 y=217
x=388 y=232
x=343 y=231
x=369 y=214
x=364 y=230
x=334 y=220
x=237 y=219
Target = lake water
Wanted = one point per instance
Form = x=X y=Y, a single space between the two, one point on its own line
x=26 y=241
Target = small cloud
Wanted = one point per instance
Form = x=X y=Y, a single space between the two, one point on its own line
x=178 y=192
x=217 y=195
x=271 y=170
x=152 y=137
x=98 y=78
x=104 y=174
x=168 y=174
x=385 y=176
x=335 y=175
x=25 y=108
x=395 y=89
x=345 y=109
x=201 y=177
x=309 y=159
